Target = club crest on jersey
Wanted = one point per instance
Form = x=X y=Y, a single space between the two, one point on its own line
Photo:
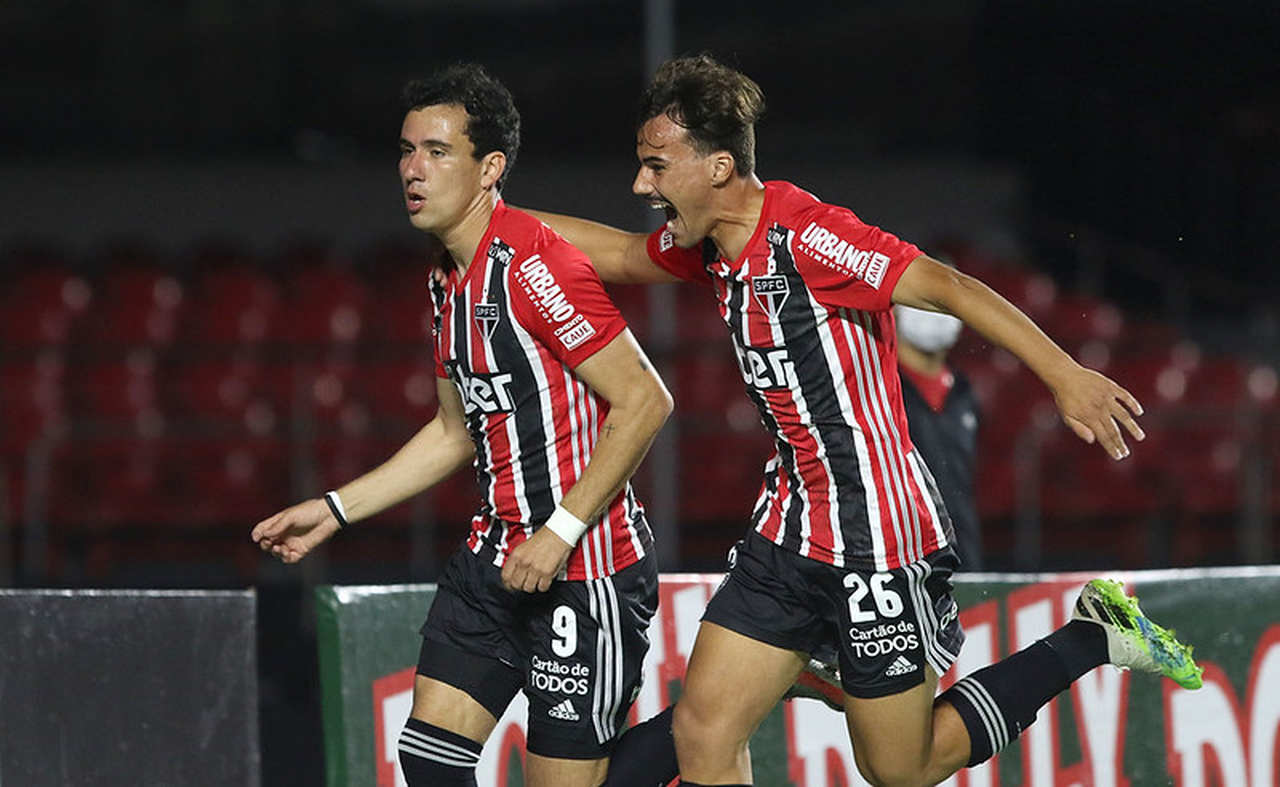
x=771 y=292
x=500 y=252
x=486 y=317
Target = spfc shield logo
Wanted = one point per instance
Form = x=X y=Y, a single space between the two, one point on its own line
x=486 y=317
x=771 y=292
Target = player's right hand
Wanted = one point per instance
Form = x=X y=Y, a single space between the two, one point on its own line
x=1096 y=408
x=291 y=534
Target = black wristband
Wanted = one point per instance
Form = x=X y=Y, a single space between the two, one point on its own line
x=333 y=506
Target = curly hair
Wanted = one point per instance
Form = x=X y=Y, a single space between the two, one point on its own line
x=493 y=123
x=715 y=104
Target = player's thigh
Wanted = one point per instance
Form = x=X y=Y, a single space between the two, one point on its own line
x=584 y=645
x=732 y=683
x=559 y=772
x=465 y=676
x=893 y=734
x=450 y=708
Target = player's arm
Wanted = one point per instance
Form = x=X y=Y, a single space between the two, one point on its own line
x=619 y=257
x=438 y=450
x=638 y=406
x=1093 y=405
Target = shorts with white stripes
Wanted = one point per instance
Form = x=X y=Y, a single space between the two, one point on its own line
x=883 y=627
x=579 y=647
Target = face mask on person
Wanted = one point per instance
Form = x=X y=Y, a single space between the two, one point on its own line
x=926 y=331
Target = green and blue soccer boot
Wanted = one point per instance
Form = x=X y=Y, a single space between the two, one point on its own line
x=1134 y=641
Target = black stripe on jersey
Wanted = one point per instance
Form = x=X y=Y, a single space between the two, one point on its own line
x=804 y=348
x=508 y=355
x=476 y=423
x=639 y=522
x=735 y=304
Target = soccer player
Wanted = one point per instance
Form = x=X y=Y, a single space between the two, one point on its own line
x=851 y=544
x=542 y=386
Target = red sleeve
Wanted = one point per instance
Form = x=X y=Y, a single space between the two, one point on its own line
x=558 y=298
x=682 y=263
x=848 y=263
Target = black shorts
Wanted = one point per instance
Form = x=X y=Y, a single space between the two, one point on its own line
x=576 y=650
x=882 y=627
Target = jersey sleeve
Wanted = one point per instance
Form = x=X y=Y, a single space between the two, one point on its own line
x=682 y=263
x=848 y=263
x=558 y=298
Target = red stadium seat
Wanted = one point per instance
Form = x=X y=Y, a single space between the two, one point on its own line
x=237 y=305
x=401 y=393
x=139 y=306
x=325 y=306
x=40 y=307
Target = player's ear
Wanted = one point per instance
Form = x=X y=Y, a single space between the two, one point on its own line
x=721 y=167
x=491 y=168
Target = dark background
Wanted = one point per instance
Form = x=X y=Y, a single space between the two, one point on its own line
x=1135 y=147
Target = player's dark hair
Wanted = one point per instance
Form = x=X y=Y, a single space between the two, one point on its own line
x=715 y=104
x=492 y=120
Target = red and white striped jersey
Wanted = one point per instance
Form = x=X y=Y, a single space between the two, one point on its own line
x=509 y=333
x=808 y=307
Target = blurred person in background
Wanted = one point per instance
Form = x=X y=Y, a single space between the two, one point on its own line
x=851 y=548
x=542 y=386
x=942 y=418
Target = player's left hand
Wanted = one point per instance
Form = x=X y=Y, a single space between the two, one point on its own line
x=534 y=564
x=1095 y=407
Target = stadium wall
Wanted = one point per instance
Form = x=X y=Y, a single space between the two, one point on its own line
x=1111 y=729
x=125 y=687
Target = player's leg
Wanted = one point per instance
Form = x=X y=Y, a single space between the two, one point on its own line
x=465 y=676
x=898 y=631
x=732 y=683
x=586 y=643
x=998 y=702
x=755 y=636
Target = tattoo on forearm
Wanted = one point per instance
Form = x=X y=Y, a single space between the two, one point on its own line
x=608 y=430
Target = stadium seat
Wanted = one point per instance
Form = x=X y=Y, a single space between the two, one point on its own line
x=138 y=306
x=325 y=306
x=40 y=307
x=232 y=305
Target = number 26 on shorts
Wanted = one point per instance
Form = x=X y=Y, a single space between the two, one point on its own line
x=886 y=600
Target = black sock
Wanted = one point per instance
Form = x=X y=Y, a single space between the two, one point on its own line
x=430 y=756
x=645 y=755
x=998 y=702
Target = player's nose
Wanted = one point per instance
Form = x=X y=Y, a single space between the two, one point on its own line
x=641 y=186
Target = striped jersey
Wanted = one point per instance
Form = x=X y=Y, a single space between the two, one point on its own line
x=509 y=332
x=808 y=307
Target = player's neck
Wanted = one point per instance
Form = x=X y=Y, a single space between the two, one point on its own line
x=740 y=203
x=463 y=238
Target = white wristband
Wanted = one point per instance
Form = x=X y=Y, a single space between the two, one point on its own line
x=565 y=525
x=335 y=506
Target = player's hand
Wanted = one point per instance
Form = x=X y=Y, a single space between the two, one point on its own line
x=295 y=531
x=1095 y=408
x=534 y=564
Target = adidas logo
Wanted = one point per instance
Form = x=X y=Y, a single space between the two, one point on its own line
x=566 y=712
x=900 y=666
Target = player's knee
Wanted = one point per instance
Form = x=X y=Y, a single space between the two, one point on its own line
x=706 y=734
x=435 y=757
x=891 y=771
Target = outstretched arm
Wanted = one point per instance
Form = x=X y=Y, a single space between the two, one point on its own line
x=619 y=257
x=638 y=406
x=1091 y=404
x=438 y=450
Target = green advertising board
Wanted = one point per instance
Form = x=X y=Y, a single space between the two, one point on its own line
x=1110 y=728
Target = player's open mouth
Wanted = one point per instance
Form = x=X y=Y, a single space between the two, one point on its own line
x=414 y=202
x=667 y=208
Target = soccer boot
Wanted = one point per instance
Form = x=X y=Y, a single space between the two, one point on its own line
x=1134 y=641
x=819 y=681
